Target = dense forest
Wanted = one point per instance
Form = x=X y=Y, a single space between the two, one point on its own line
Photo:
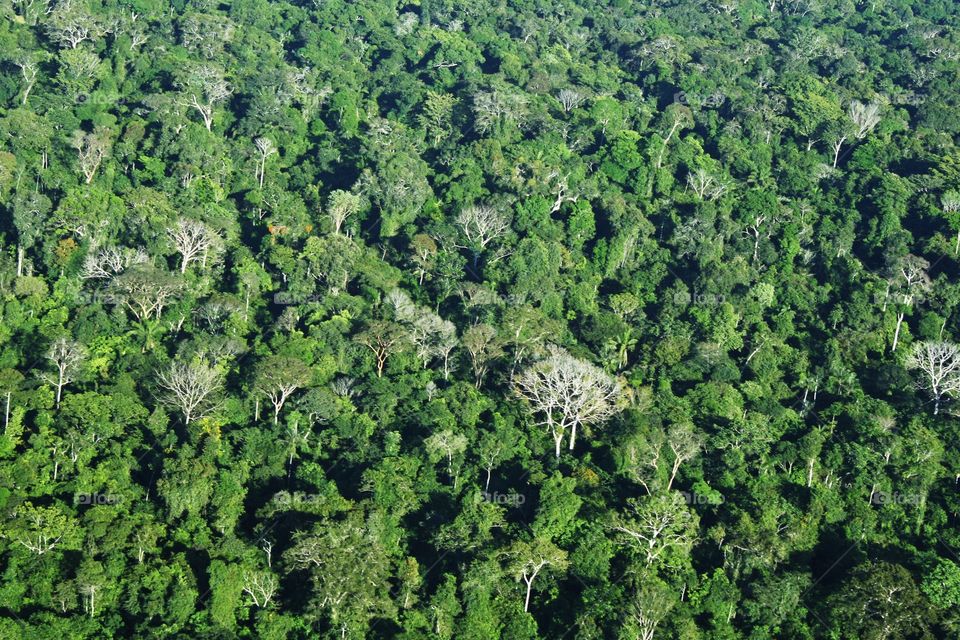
x=461 y=319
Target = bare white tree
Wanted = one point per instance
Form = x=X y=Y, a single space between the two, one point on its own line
x=650 y=607
x=909 y=282
x=66 y=356
x=194 y=241
x=203 y=90
x=446 y=444
x=570 y=99
x=92 y=149
x=482 y=224
x=658 y=524
x=685 y=444
x=705 y=184
x=261 y=586
x=69 y=24
x=940 y=364
x=491 y=108
x=482 y=344
x=864 y=117
x=106 y=263
x=837 y=144
x=190 y=388
x=265 y=148
x=567 y=392
x=206 y=34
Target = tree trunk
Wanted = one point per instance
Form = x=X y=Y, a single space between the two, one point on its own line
x=896 y=334
x=673 y=472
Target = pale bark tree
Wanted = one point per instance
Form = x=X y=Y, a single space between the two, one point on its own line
x=145 y=290
x=203 y=90
x=382 y=338
x=446 y=444
x=403 y=308
x=90 y=591
x=939 y=362
x=278 y=378
x=756 y=229
x=910 y=281
x=340 y=206
x=92 y=150
x=837 y=144
x=424 y=253
x=206 y=34
x=265 y=148
x=482 y=224
x=191 y=388
x=570 y=99
x=29 y=70
x=650 y=606
x=70 y=24
x=705 y=184
x=643 y=458
x=497 y=107
x=864 y=117
x=296 y=437
x=39 y=529
x=261 y=586
x=433 y=337
x=66 y=356
x=437 y=116
x=32 y=10
x=950 y=204
x=193 y=240
x=482 y=344
x=561 y=191
x=444 y=342
x=109 y=262
x=525 y=330
x=685 y=444
x=677 y=117
x=529 y=559
x=658 y=526
x=567 y=392
x=350 y=572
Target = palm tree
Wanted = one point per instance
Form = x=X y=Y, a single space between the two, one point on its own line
x=619 y=349
x=147 y=333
